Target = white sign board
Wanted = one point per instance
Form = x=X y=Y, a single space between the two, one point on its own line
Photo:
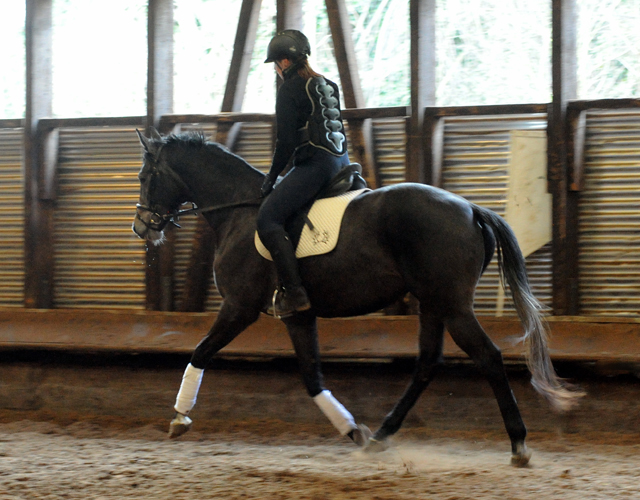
x=528 y=209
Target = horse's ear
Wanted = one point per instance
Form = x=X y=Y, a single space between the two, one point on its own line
x=151 y=144
x=143 y=140
x=155 y=135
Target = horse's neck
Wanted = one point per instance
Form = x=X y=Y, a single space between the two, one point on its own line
x=216 y=178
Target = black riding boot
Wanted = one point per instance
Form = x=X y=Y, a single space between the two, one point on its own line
x=294 y=297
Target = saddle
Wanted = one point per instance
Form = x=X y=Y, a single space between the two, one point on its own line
x=348 y=179
x=345 y=185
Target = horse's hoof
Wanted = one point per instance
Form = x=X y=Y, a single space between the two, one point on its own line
x=361 y=435
x=179 y=425
x=521 y=455
x=377 y=446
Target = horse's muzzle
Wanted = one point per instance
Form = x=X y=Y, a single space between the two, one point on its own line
x=144 y=230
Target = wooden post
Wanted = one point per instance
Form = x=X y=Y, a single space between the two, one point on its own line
x=361 y=130
x=423 y=88
x=200 y=270
x=288 y=15
x=564 y=244
x=433 y=133
x=38 y=288
x=159 y=259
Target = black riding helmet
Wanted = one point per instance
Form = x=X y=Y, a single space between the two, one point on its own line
x=288 y=44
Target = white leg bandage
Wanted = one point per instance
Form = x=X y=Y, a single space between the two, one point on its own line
x=189 y=389
x=335 y=412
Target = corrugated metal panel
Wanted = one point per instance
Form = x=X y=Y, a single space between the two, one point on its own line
x=390 y=139
x=99 y=262
x=12 y=227
x=609 y=223
x=476 y=156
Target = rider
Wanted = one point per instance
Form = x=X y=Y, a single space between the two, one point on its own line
x=309 y=129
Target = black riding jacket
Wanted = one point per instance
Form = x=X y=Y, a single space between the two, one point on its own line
x=293 y=108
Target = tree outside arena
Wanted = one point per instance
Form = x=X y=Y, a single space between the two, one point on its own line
x=488 y=52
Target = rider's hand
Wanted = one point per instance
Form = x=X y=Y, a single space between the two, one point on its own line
x=267 y=185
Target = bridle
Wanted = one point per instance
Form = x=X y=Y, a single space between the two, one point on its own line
x=157 y=221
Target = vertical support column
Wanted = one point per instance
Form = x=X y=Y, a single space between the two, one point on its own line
x=564 y=84
x=361 y=130
x=433 y=133
x=159 y=274
x=423 y=87
x=38 y=290
x=288 y=15
x=200 y=270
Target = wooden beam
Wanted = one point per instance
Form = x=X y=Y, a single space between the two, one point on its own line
x=576 y=136
x=423 y=88
x=288 y=15
x=46 y=124
x=160 y=61
x=364 y=113
x=47 y=194
x=583 y=105
x=159 y=259
x=12 y=123
x=361 y=130
x=433 y=148
x=38 y=289
x=491 y=109
x=590 y=339
x=564 y=85
x=241 y=58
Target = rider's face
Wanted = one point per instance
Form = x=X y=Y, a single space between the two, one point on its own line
x=281 y=65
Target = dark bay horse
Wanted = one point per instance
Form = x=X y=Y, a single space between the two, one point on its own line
x=406 y=238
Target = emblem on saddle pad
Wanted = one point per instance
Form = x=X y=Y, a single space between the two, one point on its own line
x=321 y=236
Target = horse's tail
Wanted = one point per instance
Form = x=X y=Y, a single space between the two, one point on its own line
x=512 y=268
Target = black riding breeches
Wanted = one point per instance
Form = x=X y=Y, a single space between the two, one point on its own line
x=295 y=191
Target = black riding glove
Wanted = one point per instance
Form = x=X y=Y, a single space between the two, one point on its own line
x=267 y=185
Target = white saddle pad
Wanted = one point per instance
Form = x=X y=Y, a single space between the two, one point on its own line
x=326 y=217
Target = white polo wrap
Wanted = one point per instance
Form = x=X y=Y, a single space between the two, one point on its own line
x=188 y=392
x=335 y=412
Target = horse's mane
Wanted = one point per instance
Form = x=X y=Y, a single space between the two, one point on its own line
x=189 y=140
x=194 y=141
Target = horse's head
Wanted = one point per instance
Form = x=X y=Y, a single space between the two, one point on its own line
x=162 y=191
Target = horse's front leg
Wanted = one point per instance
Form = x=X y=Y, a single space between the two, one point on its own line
x=231 y=321
x=303 y=330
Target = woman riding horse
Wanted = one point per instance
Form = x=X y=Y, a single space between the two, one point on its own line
x=309 y=129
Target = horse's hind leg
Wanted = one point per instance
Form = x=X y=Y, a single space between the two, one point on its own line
x=429 y=359
x=303 y=331
x=471 y=338
x=230 y=322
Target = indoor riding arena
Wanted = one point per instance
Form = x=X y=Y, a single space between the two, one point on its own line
x=97 y=326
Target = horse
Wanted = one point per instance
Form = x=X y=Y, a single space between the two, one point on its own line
x=399 y=239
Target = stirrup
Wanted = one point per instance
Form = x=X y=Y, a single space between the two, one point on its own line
x=278 y=312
